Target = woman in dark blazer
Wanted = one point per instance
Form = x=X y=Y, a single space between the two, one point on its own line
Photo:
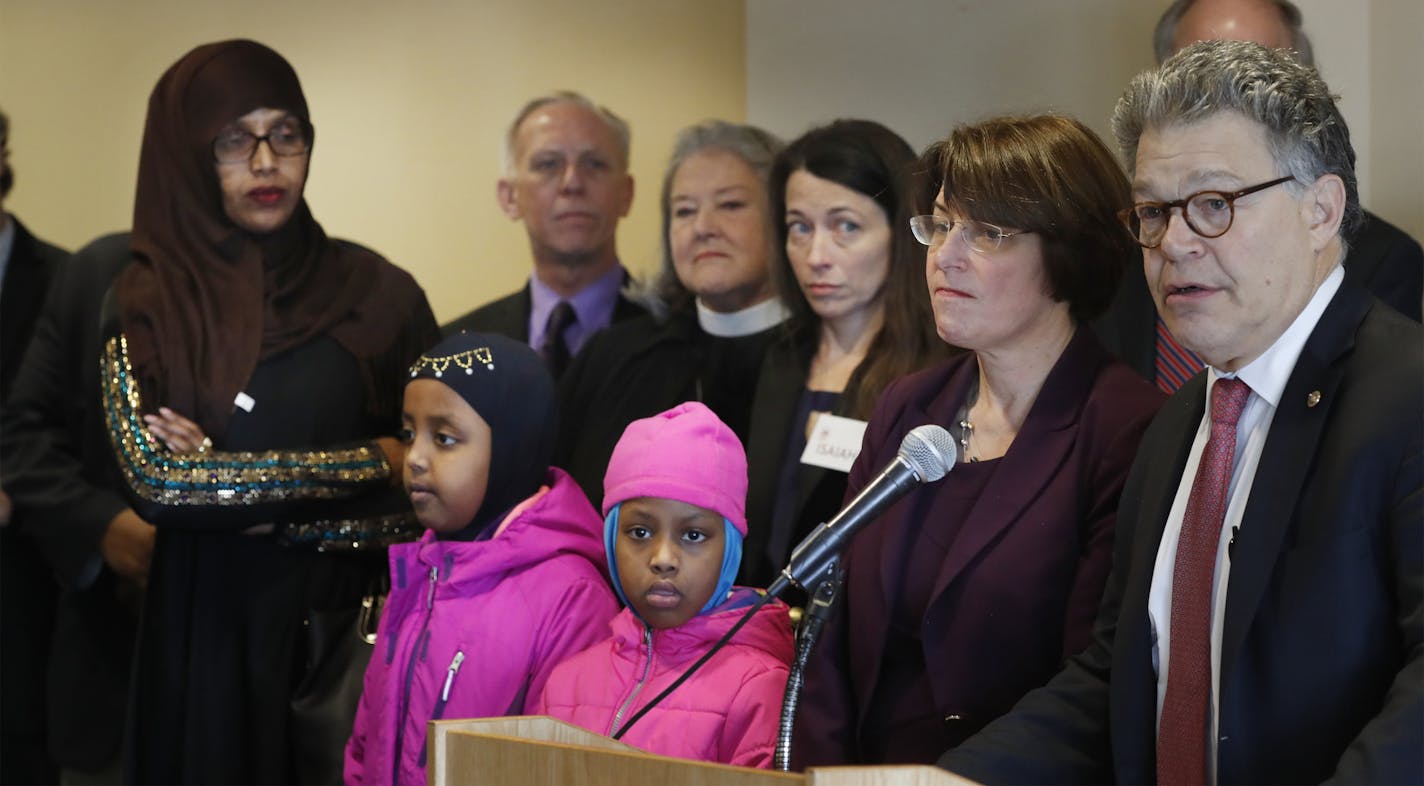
x=843 y=195
x=968 y=593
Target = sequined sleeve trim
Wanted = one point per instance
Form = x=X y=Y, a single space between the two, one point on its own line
x=227 y=478
x=370 y=534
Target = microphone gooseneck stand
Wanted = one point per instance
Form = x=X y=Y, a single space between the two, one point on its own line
x=818 y=610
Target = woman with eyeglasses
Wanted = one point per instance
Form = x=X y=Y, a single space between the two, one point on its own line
x=249 y=398
x=971 y=591
x=850 y=272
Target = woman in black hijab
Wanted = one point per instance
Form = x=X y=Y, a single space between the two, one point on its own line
x=287 y=350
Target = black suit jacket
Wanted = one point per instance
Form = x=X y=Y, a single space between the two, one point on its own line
x=27 y=589
x=1322 y=655
x=819 y=491
x=1382 y=259
x=60 y=471
x=509 y=316
x=27 y=277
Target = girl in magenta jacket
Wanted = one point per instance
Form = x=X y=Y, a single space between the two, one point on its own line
x=674 y=497
x=507 y=580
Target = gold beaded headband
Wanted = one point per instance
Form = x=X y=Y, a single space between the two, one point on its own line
x=465 y=360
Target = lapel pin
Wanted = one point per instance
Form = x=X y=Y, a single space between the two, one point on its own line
x=1312 y=398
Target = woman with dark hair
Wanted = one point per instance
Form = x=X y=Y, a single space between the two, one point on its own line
x=851 y=276
x=715 y=310
x=288 y=350
x=968 y=593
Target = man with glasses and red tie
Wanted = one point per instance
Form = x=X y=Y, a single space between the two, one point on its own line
x=1380 y=256
x=1264 y=621
x=566 y=178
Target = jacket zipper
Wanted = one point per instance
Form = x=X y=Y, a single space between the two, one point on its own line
x=647 y=669
x=450 y=679
x=410 y=675
x=439 y=711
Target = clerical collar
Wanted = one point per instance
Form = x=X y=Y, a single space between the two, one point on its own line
x=753 y=319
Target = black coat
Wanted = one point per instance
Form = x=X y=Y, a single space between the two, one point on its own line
x=639 y=368
x=819 y=491
x=27 y=589
x=60 y=472
x=509 y=316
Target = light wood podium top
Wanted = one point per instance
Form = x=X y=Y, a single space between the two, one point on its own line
x=532 y=750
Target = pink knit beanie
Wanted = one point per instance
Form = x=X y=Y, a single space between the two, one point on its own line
x=686 y=454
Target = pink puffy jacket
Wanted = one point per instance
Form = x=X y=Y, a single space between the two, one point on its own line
x=727 y=712
x=474 y=629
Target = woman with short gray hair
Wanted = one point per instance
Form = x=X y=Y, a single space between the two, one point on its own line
x=715 y=306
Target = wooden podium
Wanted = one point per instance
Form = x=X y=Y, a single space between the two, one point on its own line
x=520 y=751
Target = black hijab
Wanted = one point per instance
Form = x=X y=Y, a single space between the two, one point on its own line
x=509 y=386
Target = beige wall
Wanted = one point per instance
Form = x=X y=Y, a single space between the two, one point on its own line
x=410 y=101
x=1396 y=60
x=922 y=66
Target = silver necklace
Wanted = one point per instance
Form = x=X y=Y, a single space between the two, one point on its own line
x=966 y=426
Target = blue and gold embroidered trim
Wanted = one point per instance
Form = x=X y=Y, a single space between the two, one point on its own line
x=221 y=477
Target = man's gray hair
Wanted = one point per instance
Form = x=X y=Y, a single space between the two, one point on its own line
x=616 y=124
x=1306 y=133
x=1165 y=35
x=751 y=144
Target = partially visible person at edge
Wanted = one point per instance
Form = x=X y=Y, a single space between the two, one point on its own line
x=852 y=276
x=718 y=309
x=27 y=588
x=969 y=593
x=508 y=579
x=230 y=306
x=566 y=179
x=1380 y=256
x=1264 y=621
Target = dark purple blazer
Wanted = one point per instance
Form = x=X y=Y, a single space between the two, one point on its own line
x=1020 y=585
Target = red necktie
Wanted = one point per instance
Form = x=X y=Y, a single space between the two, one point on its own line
x=1175 y=363
x=1181 y=738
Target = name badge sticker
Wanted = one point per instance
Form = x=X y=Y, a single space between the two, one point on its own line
x=244 y=402
x=834 y=443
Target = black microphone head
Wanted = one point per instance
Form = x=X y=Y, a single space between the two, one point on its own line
x=930 y=452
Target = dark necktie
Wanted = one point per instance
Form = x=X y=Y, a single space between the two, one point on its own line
x=1175 y=363
x=1181 y=738
x=554 y=349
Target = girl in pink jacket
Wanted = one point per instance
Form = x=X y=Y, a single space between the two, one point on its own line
x=507 y=580
x=674 y=498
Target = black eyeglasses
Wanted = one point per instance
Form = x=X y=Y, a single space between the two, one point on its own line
x=1207 y=213
x=291 y=137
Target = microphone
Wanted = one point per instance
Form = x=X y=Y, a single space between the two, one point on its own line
x=926 y=454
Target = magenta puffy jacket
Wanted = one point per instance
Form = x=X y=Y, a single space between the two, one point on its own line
x=474 y=629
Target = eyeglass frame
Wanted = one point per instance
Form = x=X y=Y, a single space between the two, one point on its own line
x=257 y=140
x=1126 y=215
x=1004 y=234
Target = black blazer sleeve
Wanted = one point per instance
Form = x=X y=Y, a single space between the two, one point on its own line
x=56 y=466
